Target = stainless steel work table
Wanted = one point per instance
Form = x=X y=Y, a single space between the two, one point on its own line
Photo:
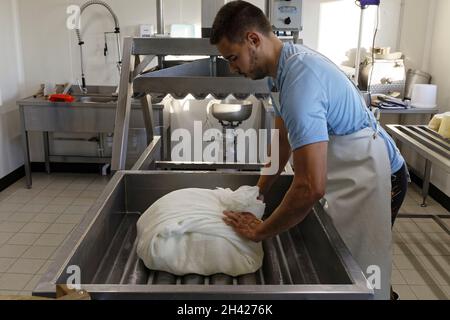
x=80 y=116
x=429 y=144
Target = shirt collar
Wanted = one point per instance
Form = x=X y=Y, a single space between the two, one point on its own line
x=281 y=63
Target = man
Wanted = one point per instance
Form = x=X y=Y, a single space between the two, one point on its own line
x=340 y=153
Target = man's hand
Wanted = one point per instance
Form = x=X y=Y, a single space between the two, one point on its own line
x=245 y=224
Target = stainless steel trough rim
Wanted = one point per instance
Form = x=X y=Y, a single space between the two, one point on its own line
x=358 y=289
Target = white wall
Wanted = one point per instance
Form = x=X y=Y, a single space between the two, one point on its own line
x=11 y=81
x=424 y=39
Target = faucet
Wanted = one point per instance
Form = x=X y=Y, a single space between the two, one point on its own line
x=81 y=42
x=83 y=90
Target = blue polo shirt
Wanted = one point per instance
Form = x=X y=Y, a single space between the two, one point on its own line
x=317 y=101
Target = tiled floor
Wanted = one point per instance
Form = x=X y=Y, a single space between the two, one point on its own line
x=34 y=224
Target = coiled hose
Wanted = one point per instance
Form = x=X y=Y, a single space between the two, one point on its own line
x=104 y=4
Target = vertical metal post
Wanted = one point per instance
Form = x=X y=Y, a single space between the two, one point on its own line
x=46 y=152
x=358 y=51
x=147 y=111
x=160 y=17
x=25 y=148
x=122 y=123
x=269 y=9
x=426 y=183
x=160 y=28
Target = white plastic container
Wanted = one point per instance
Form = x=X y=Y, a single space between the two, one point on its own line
x=424 y=96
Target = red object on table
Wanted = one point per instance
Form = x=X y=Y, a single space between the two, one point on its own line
x=61 y=98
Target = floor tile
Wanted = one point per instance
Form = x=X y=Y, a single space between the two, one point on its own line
x=12 y=251
x=77 y=210
x=50 y=193
x=21 y=217
x=430 y=227
x=39 y=252
x=41 y=200
x=4 y=237
x=415 y=237
x=62 y=201
x=4 y=216
x=15 y=199
x=406 y=227
x=32 y=208
x=50 y=240
x=404 y=292
x=35 y=227
x=77 y=187
x=429 y=249
x=26 y=266
x=11 y=227
x=446 y=289
x=429 y=292
x=70 y=193
x=91 y=194
x=26 y=239
x=70 y=218
x=397 y=278
x=407 y=262
x=60 y=228
x=435 y=262
x=46 y=218
x=414 y=277
x=440 y=276
x=6 y=263
x=13 y=281
x=54 y=209
x=83 y=202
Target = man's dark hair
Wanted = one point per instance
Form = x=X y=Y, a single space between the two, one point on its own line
x=236 y=18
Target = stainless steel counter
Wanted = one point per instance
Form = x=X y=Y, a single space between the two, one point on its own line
x=92 y=113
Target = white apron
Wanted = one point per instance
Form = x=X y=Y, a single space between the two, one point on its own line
x=358 y=201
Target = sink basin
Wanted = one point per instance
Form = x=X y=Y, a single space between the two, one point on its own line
x=232 y=111
x=90 y=99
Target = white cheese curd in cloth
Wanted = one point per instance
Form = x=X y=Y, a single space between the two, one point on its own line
x=183 y=233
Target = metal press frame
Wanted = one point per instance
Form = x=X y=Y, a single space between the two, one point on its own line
x=200 y=78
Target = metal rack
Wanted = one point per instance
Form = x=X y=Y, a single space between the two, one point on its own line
x=436 y=151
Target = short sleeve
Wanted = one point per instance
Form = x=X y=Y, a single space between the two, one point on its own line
x=304 y=106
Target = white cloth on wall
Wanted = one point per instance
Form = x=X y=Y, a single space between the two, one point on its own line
x=183 y=233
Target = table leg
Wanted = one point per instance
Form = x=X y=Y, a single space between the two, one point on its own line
x=426 y=183
x=26 y=151
x=46 y=152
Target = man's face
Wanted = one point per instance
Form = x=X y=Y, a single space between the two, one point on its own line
x=243 y=58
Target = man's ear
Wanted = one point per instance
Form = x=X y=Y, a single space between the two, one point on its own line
x=254 y=38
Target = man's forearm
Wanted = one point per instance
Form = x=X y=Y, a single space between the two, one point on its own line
x=294 y=208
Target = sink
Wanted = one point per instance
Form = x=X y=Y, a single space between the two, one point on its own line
x=91 y=99
x=232 y=111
